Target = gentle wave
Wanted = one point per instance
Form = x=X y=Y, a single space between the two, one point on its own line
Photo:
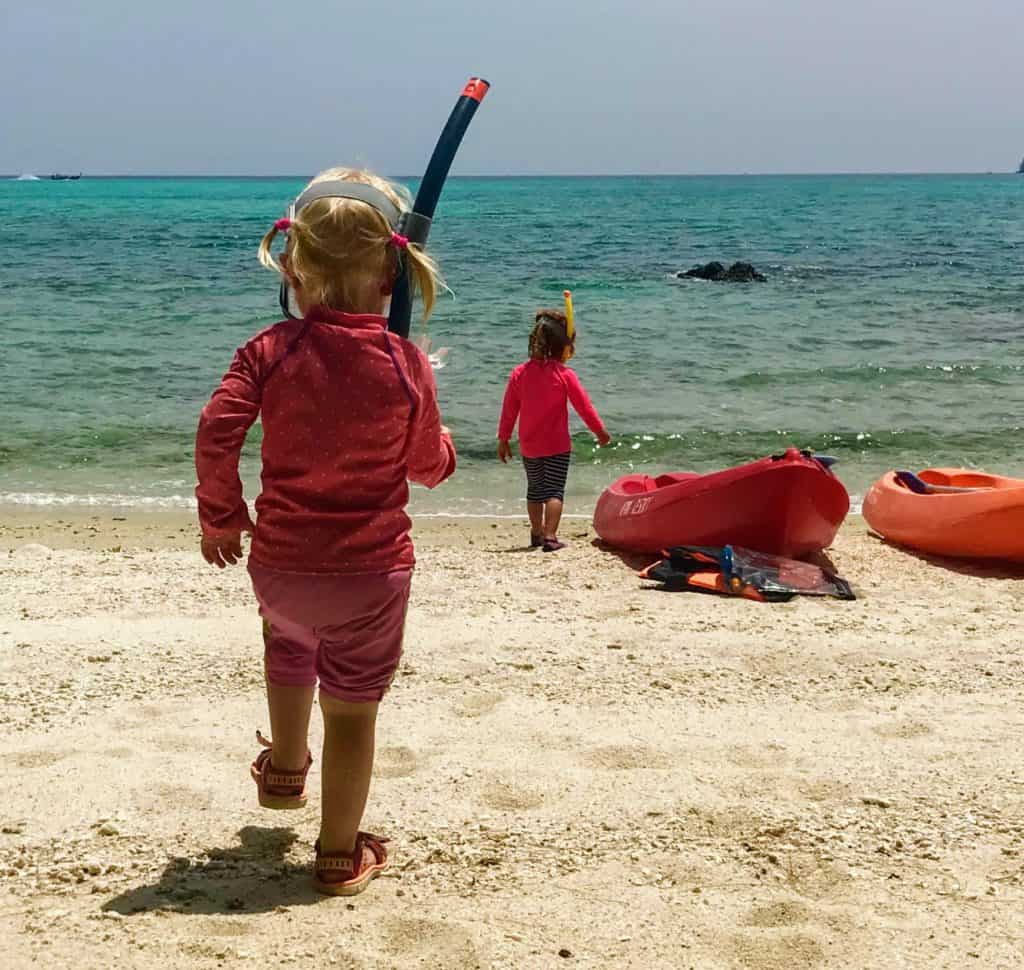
x=706 y=446
x=101 y=500
x=133 y=457
x=882 y=375
x=184 y=503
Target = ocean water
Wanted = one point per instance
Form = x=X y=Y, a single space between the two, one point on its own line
x=890 y=332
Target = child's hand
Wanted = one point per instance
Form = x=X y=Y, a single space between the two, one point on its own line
x=504 y=451
x=222 y=550
x=604 y=439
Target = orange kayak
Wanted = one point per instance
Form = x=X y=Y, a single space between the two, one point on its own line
x=984 y=521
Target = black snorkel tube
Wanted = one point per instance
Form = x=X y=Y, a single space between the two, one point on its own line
x=416 y=223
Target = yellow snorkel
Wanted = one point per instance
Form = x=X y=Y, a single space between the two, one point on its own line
x=570 y=325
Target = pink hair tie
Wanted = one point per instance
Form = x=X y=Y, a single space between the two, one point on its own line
x=399 y=241
x=283 y=225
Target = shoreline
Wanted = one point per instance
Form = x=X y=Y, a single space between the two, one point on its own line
x=89 y=528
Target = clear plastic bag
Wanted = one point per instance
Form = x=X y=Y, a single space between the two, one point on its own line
x=778 y=576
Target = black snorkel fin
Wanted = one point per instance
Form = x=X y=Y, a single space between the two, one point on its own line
x=414 y=224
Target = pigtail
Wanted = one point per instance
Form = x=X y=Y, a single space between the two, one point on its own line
x=266 y=258
x=426 y=277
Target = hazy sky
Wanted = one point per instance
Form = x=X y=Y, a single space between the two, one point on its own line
x=579 y=86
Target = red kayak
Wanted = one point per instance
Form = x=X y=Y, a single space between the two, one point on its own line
x=789 y=505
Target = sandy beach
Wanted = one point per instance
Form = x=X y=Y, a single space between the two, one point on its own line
x=574 y=770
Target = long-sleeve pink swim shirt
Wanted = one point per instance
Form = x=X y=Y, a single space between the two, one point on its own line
x=350 y=415
x=538 y=394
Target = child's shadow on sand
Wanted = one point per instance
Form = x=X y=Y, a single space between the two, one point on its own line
x=251 y=877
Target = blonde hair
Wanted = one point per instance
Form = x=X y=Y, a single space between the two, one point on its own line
x=339 y=249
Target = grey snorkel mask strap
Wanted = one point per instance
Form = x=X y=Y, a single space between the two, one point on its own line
x=413 y=226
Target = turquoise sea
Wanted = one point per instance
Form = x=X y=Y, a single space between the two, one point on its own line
x=890 y=331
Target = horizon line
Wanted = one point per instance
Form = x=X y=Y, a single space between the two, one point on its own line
x=518 y=175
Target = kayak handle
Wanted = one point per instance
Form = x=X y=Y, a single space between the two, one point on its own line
x=826 y=461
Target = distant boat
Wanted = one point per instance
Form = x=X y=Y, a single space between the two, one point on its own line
x=1020 y=170
x=57 y=177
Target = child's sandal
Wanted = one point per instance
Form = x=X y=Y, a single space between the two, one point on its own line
x=536 y=541
x=348 y=873
x=278 y=789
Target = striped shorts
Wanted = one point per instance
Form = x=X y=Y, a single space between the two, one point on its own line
x=545 y=477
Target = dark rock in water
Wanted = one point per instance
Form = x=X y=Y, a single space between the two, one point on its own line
x=709 y=271
x=715 y=271
x=743 y=273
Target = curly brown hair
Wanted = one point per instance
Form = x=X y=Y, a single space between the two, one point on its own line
x=549 y=339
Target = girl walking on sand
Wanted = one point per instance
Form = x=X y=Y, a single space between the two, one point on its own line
x=349 y=414
x=538 y=394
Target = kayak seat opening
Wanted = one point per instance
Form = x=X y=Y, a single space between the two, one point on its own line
x=639 y=484
x=674 y=478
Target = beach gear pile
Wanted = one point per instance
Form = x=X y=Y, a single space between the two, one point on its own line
x=735 y=571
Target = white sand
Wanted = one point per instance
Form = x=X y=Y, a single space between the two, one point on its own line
x=567 y=762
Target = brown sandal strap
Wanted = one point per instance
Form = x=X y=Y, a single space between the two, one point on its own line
x=351 y=862
x=274 y=777
x=284 y=779
x=337 y=863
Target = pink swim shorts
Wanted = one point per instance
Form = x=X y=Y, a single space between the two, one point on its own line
x=345 y=631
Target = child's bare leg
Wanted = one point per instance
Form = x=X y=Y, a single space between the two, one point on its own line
x=290 y=708
x=552 y=517
x=349 y=737
x=536 y=513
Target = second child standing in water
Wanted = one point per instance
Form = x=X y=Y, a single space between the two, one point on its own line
x=538 y=394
